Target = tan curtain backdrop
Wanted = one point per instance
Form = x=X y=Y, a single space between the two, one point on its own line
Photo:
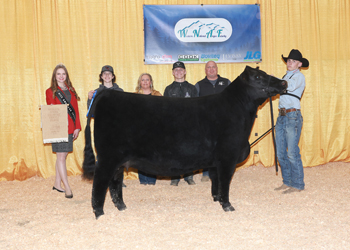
x=86 y=34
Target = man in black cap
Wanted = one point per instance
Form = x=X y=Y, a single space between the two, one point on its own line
x=289 y=124
x=180 y=88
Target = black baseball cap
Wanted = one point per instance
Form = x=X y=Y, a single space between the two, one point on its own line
x=107 y=68
x=179 y=64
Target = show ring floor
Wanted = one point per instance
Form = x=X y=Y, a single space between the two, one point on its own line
x=33 y=216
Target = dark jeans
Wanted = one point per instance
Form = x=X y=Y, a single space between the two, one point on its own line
x=205 y=172
x=147 y=178
x=186 y=177
x=288 y=130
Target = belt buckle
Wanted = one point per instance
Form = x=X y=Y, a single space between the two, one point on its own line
x=283 y=112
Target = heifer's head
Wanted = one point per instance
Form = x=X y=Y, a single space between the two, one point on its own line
x=262 y=85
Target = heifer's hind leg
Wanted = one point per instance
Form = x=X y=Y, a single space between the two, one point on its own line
x=115 y=189
x=103 y=174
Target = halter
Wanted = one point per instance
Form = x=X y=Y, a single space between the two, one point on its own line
x=268 y=87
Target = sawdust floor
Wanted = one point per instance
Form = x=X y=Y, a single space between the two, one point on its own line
x=33 y=216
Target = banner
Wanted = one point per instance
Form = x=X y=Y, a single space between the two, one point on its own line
x=201 y=33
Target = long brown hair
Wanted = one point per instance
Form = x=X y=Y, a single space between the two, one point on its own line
x=54 y=84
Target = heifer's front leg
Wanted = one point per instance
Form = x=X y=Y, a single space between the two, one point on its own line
x=116 y=189
x=102 y=177
x=225 y=173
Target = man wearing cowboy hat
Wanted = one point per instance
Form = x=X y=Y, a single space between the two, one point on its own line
x=289 y=124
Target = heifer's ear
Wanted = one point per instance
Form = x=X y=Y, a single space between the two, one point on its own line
x=245 y=73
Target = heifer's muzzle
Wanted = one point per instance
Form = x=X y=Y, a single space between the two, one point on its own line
x=267 y=89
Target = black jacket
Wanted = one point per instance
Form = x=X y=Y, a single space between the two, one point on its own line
x=181 y=89
x=205 y=87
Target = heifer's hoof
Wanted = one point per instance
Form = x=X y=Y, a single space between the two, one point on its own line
x=121 y=206
x=98 y=213
x=228 y=208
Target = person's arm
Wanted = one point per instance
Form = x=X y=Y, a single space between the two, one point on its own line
x=156 y=93
x=295 y=82
x=118 y=88
x=76 y=134
x=90 y=94
x=74 y=103
x=197 y=87
x=49 y=99
x=166 y=92
x=195 y=92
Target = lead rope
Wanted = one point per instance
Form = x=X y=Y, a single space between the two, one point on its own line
x=273 y=135
x=273 y=130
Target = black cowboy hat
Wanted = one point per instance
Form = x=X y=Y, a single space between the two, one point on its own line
x=296 y=55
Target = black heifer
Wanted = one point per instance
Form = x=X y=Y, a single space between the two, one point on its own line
x=173 y=136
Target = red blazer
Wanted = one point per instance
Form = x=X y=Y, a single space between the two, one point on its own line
x=73 y=102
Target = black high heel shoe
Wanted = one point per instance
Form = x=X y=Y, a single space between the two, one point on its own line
x=69 y=196
x=53 y=188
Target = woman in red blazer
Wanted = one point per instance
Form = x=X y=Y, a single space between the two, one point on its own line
x=62 y=92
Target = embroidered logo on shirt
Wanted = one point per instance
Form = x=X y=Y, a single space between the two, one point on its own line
x=221 y=83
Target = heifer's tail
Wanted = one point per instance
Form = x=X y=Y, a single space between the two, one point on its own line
x=89 y=164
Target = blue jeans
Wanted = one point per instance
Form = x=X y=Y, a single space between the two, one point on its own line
x=205 y=172
x=147 y=178
x=288 y=129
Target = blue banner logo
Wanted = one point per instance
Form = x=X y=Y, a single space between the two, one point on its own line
x=203 y=30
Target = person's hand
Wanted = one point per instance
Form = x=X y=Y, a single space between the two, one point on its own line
x=75 y=134
x=91 y=93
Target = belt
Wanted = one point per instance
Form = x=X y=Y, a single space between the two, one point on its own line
x=284 y=111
